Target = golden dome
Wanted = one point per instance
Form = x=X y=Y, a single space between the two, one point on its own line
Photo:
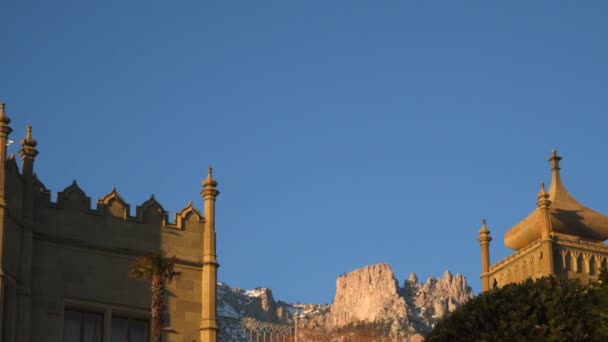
x=209 y=182
x=566 y=214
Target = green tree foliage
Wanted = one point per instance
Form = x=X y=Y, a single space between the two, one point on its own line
x=600 y=302
x=548 y=309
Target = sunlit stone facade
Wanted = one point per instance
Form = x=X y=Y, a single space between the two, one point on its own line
x=64 y=264
x=560 y=237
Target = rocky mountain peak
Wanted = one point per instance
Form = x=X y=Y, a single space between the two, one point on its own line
x=413 y=278
x=371 y=296
x=368 y=294
x=447 y=276
x=368 y=299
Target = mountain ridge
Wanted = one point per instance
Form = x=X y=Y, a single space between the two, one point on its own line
x=368 y=301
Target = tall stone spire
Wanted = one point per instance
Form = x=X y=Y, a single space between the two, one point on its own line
x=556 y=180
x=28 y=153
x=543 y=205
x=209 y=327
x=5 y=130
x=484 y=242
x=544 y=221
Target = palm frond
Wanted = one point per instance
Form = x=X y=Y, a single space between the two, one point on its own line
x=155 y=264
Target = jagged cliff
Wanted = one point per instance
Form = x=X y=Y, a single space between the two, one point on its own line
x=371 y=299
x=259 y=304
x=369 y=305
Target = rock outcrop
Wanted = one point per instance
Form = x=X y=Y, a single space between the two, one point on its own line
x=371 y=299
x=367 y=295
x=259 y=304
x=369 y=305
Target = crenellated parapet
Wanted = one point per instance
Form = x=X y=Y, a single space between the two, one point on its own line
x=109 y=225
x=113 y=204
x=73 y=198
x=64 y=256
x=524 y=264
x=189 y=213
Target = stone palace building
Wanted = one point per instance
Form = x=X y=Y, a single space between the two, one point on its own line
x=561 y=237
x=64 y=264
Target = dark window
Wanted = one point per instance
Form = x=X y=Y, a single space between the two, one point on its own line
x=81 y=326
x=129 y=330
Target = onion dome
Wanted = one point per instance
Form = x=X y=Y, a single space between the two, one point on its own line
x=29 y=141
x=567 y=216
x=209 y=182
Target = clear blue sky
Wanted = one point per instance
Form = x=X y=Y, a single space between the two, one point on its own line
x=343 y=133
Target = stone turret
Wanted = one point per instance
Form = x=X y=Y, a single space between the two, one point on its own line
x=28 y=153
x=484 y=242
x=209 y=325
x=5 y=130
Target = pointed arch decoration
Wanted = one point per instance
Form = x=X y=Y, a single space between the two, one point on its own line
x=73 y=198
x=151 y=211
x=188 y=213
x=114 y=204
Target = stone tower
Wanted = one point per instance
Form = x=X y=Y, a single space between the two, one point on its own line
x=561 y=237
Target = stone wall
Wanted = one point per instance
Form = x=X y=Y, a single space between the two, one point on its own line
x=80 y=257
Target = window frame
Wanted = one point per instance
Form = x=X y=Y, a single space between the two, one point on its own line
x=82 y=313
x=108 y=311
x=129 y=319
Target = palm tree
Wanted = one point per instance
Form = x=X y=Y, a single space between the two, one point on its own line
x=159 y=269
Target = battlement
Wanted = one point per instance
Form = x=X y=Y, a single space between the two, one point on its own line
x=108 y=225
x=74 y=199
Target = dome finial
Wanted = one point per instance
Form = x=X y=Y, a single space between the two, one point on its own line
x=554 y=159
x=29 y=141
x=484 y=233
x=556 y=179
x=3 y=117
x=210 y=182
x=543 y=197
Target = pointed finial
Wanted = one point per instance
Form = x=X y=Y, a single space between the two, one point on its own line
x=210 y=182
x=484 y=233
x=189 y=204
x=543 y=197
x=554 y=159
x=484 y=229
x=29 y=141
x=542 y=193
x=3 y=117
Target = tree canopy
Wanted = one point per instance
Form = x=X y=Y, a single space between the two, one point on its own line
x=547 y=309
